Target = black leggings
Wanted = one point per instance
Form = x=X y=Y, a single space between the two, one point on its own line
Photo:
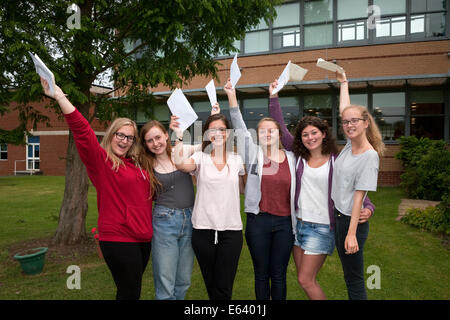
x=218 y=260
x=127 y=262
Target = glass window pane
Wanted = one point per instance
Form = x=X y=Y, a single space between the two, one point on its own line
x=288 y=37
x=255 y=109
x=318 y=11
x=36 y=164
x=391 y=7
x=33 y=139
x=359 y=99
x=287 y=15
x=262 y=25
x=3 y=155
x=427 y=5
x=352 y=31
x=427 y=102
x=391 y=128
x=30 y=151
x=161 y=112
x=318 y=105
x=36 y=151
x=428 y=25
x=389 y=104
x=391 y=27
x=318 y=35
x=429 y=127
x=257 y=42
x=351 y=9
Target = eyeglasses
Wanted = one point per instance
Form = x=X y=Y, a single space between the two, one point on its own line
x=217 y=130
x=122 y=137
x=353 y=121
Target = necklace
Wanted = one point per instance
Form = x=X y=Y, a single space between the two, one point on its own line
x=170 y=174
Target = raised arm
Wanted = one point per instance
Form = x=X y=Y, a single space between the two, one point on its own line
x=64 y=103
x=344 y=97
x=275 y=112
x=86 y=141
x=246 y=147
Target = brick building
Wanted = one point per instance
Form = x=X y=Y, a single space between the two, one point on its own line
x=398 y=66
x=46 y=148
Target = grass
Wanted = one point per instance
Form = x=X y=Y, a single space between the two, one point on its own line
x=413 y=264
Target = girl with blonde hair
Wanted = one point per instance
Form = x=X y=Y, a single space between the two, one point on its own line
x=356 y=173
x=124 y=195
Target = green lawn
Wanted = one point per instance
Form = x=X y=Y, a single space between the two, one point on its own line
x=413 y=264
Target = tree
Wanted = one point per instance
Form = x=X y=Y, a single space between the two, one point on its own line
x=171 y=42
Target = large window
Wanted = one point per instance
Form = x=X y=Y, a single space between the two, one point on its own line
x=257 y=39
x=3 y=151
x=427 y=113
x=305 y=24
x=286 y=26
x=389 y=114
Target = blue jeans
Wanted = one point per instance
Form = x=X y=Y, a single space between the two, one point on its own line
x=270 y=240
x=172 y=254
x=352 y=264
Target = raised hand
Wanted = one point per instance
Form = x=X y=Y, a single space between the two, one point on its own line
x=272 y=87
x=215 y=109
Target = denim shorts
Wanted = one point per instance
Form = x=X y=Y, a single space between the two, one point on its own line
x=314 y=238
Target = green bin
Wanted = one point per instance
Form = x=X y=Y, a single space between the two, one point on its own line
x=32 y=263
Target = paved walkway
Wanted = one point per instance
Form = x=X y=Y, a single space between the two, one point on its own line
x=413 y=203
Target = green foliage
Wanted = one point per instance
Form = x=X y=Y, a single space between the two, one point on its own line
x=173 y=42
x=434 y=219
x=427 y=168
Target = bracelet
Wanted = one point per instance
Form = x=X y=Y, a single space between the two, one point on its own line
x=344 y=81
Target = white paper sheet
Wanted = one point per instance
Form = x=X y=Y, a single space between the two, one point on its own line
x=296 y=73
x=235 y=73
x=329 y=66
x=44 y=72
x=283 y=79
x=211 y=90
x=180 y=106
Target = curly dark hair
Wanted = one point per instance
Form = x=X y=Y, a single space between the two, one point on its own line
x=329 y=142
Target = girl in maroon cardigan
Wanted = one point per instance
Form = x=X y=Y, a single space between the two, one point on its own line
x=123 y=195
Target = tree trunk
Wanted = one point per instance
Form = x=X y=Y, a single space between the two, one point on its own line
x=72 y=215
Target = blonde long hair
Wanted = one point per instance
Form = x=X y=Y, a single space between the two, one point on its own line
x=372 y=132
x=107 y=139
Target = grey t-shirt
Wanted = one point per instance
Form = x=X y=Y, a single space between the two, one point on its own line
x=353 y=172
x=177 y=190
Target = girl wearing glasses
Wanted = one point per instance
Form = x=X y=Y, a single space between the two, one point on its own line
x=216 y=218
x=356 y=173
x=123 y=195
x=173 y=191
x=269 y=201
x=315 y=150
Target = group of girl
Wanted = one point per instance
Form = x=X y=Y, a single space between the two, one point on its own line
x=300 y=197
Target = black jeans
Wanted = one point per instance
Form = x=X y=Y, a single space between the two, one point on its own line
x=270 y=239
x=218 y=261
x=352 y=264
x=127 y=262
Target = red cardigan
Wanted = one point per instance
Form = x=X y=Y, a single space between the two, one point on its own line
x=123 y=196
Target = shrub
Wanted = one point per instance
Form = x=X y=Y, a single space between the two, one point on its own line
x=434 y=219
x=427 y=168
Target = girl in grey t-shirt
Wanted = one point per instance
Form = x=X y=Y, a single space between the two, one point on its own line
x=355 y=173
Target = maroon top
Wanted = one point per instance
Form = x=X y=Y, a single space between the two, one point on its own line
x=276 y=188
